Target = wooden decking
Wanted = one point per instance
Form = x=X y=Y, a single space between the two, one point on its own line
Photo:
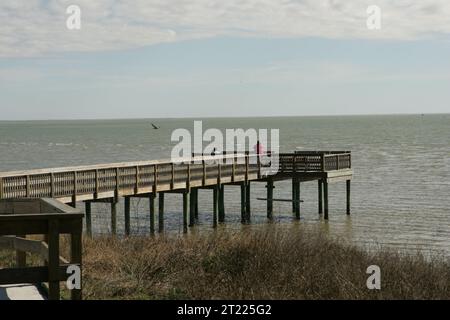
x=108 y=182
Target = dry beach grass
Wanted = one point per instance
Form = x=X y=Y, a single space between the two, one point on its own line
x=256 y=265
x=261 y=264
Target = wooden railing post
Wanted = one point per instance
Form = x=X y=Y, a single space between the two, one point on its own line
x=172 y=181
x=219 y=173
x=116 y=192
x=53 y=259
x=294 y=163
x=52 y=185
x=233 y=169
x=322 y=160
x=204 y=172
x=75 y=189
x=97 y=187
x=76 y=258
x=259 y=165
x=155 y=178
x=188 y=179
x=246 y=168
x=21 y=256
x=28 y=191
x=1 y=188
x=136 y=189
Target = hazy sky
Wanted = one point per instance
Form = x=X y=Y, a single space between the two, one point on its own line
x=199 y=58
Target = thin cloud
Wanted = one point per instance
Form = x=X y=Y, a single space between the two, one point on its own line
x=34 y=28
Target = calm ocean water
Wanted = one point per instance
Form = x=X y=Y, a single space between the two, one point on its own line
x=400 y=191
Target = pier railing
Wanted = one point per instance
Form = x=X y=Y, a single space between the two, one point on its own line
x=152 y=176
x=314 y=161
x=48 y=217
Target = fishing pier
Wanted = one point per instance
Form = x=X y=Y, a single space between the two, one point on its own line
x=153 y=179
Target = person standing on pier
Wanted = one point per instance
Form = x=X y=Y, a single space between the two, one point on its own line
x=259 y=148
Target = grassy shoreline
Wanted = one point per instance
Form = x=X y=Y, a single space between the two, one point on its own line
x=261 y=264
x=273 y=264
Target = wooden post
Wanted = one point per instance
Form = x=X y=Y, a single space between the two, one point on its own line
x=88 y=210
x=192 y=205
x=196 y=205
x=152 y=213
x=319 y=184
x=270 y=199
x=161 y=212
x=348 y=196
x=127 y=216
x=294 y=184
x=233 y=169
x=185 y=211
x=1 y=188
x=172 y=179
x=113 y=216
x=188 y=180
x=297 y=199
x=53 y=259
x=325 y=198
x=28 y=186
x=243 y=205
x=52 y=185
x=76 y=258
x=21 y=256
x=216 y=205
x=155 y=178
x=136 y=188
x=204 y=172
x=97 y=185
x=75 y=189
x=116 y=191
x=221 y=203
x=294 y=204
x=247 y=202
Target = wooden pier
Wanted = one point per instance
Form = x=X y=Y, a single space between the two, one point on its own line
x=152 y=179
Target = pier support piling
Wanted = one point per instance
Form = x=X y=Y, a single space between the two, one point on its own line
x=296 y=198
x=161 y=212
x=151 y=200
x=270 y=199
x=348 y=196
x=88 y=210
x=294 y=204
x=243 y=205
x=185 y=211
x=127 y=215
x=320 y=199
x=114 y=217
x=192 y=206
x=221 y=203
x=325 y=198
x=216 y=205
x=196 y=205
x=247 y=202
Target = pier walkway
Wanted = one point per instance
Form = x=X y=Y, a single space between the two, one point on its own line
x=151 y=179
